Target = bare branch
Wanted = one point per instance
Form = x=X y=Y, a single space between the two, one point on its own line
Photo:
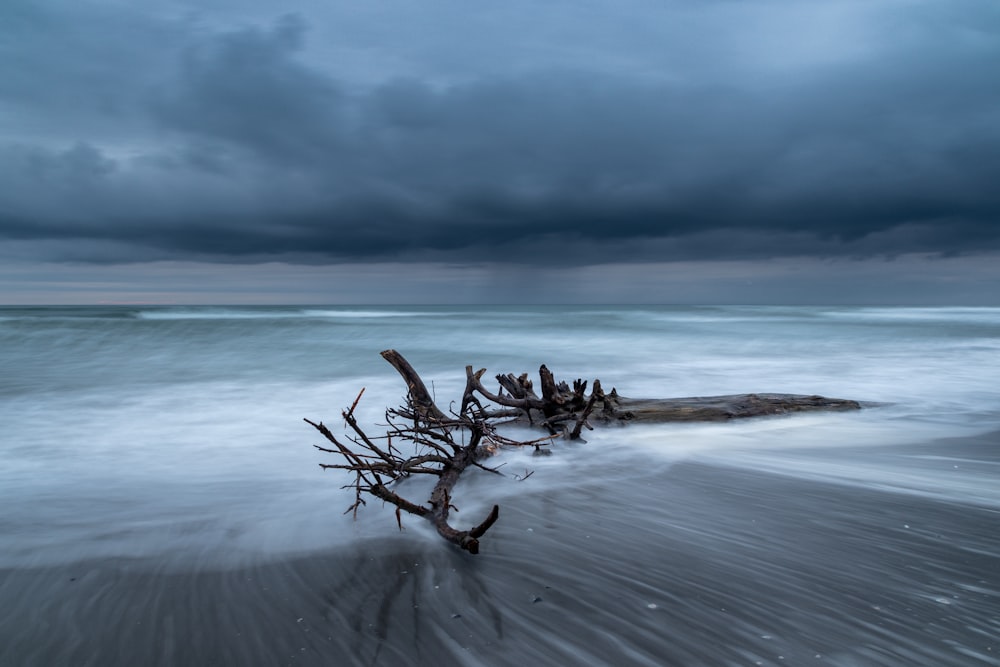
x=523 y=403
x=418 y=394
x=481 y=529
x=355 y=403
x=581 y=421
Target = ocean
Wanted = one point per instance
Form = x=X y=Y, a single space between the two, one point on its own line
x=162 y=503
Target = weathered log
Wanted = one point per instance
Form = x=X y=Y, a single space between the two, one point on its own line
x=445 y=445
x=722 y=408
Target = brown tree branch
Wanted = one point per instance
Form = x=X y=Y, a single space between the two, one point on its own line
x=445 y=446
x=420 y=398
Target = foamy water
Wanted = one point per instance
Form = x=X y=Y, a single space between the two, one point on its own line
x=178 y=430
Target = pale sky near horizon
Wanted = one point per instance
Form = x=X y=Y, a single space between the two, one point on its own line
x=765 y=151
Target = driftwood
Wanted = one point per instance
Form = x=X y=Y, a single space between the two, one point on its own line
x=421 y=439
x=721 y=408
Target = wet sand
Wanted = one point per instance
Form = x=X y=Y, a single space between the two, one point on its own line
x=691 y=564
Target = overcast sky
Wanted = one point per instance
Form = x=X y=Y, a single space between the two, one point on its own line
x=754 y=151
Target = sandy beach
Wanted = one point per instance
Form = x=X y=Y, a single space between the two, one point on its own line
x=693 y=564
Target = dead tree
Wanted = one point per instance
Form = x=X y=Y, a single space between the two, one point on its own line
x=422 y=439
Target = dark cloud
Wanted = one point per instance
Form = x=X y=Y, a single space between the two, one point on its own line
x=246 y=88
x=148 y=137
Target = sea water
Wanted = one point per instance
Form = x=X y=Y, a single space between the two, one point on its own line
x=175 y=436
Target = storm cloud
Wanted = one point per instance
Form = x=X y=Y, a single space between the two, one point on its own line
x=577 y=134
